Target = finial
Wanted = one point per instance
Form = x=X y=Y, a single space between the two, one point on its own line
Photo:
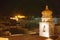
x=46 y=6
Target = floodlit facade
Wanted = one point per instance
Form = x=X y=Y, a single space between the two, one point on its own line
x=46 y=26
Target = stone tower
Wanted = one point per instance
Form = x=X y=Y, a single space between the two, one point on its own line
x=47 y=17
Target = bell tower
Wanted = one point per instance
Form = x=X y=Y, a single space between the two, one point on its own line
x=46 y=26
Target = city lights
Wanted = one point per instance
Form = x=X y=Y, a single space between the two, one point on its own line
x=29 y=19
x=17 y=17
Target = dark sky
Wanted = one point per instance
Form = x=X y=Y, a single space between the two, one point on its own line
x=28 y=7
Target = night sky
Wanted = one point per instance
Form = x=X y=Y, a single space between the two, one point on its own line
x=28 y=7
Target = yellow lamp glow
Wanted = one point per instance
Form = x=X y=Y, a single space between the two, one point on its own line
x=17 y=17
x=48 y=39
x=4 y=39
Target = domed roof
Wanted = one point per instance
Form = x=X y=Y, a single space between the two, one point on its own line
x=47 y=10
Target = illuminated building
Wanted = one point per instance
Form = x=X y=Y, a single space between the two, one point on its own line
x=46 y=26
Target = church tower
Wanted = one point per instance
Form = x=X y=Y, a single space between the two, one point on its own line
x=46 y=24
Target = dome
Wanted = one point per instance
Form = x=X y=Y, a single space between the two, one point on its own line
x=46 y=12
